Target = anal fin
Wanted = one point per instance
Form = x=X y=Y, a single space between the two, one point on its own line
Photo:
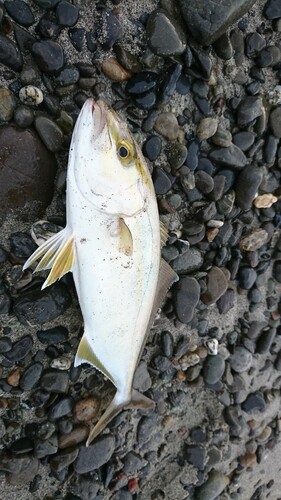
x=85 y=354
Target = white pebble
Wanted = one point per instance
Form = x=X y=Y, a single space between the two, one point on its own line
x=31 y=95
x=212 y=346
x=62 y=363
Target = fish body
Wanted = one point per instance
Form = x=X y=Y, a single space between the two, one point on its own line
x=112 y=245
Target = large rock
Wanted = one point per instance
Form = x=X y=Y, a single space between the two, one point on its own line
x=27 y=171
x=207 y=20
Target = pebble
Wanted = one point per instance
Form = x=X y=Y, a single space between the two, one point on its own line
x=5 y=344
x=46 y=4
x=42 y=306
x=226 y=301
x=23 y=116
x=244 y=140
x=95 y=455
x=61 y=363
x=249 y=109
x=13 y=377
x=55 y=381
x=142 y=379
x=195 y=454
x=265 y=341
x=109 y=30
x=272 y=9
x=62 y=406
x=162 y=182
x=275 y=121
x=217 y=284
x=19 y=12
x=86 y=409
x=231 y=156
x=48 y=56
x=46 y=447
x=248 y=460
x=254 y=44
x=222 y=137
x=213 y=369
x=27 y=469
x=247 y=184
x=276 y=272
x=9 y=54
x=152 y=147
x=255 y=401
x=142 y=82
x=31 y=95
x=7 y=105
x=207 y=128
x=241 y=359
x=254 y=240
x=63 y=459
x=223 y=47
x=126 y=59
x=54 y=335
x=113 y=70
x=74 y=437
x=168 y=82
x=188 y=262
x=66 y=13
x=50 y=133
x=247 y=277
x=167 y=125
x=176 y=154
x=31 y=376
x=165 y=36
x=20 y=349
x=213 y=487
x=76 y=36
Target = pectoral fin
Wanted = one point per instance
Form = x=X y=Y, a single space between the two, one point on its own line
x=120 y=230
x=163 y=234
x=85 y=354
x=57 y=254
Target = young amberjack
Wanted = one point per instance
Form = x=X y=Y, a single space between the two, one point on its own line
x=112 y=245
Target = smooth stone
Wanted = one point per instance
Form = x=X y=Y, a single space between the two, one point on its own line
x=183 y=85
x=42 y=306
x=55 y=381
x=76 y=36
x=200 y=88
x=241 y=359
x=165 y=36
x=217 y=284
x=226 y=301
x=23 y=116
x=21 y=245
x=167 y=125
x=276 y=272
x=142 y=379
x=218 y=189
x=7 y=104
x=113 y=70
x=254 y=44
x=145 y=101
x=86 y=409
x=268 y=57
x=54 y=335
x=168 y=82
x=46 y=447
x=203 y=105
x=50 y=133
x=109 y=30
x=244 y=140
x=49 y=56
x=68 y=76
x=247 y=277
x=176 y=154
x=74 y=437
x=94 y=456
x=21 y=445
x=19 y=12
x=249 y=109
x=254 y=240
x=223 y=47
x=28 y=468
x=188 y=262
x=231 y=156
x=272 y=10
x=207 y=20
x=222 y=137
x=255 y=401
x=207 y=128
x=46 y=4
x=20 y=349
x=204 y=182
x=48 y=27
x=9 y=54
x=192 y=154
x=142 y=82
x=63 y=459
x=5 y=344
x=62 y=407
x=213 y=487
x=246 y=186
x=213 y=369
x=270 y=149
x=275 y=121
x=186 y=298
x=196 y=455
x=265 y=341
x=161 y=363
x=152 y=147
x=162 y=183
x=66 y=13
x=31 y=376
x=31 y=95
x=167 y=343
x=126 y=59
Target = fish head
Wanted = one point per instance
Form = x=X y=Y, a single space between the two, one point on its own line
x=106 y=162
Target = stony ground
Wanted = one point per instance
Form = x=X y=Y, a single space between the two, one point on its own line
x=208 y=118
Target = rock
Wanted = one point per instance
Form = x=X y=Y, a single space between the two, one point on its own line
x=247 y=277
x=54 y=335
x=42 y=306
x=167 y=125
x=223 y=47
x=62 y=406
x=76 y=36
x=189 y=261
x=5 y=344
x=86 y=409
x=226 y=301
x=254 y=44
x=113 y=70
x=247 y=185
x=66 y=13
x=213 y=369
x=207 y=128
x=276 y=272
x=165 y=35
x=95 y=455
x=207 y=21
x=248 y=460
x=31 y=376
x=132 y=463
x=272 y=9
x=265 y=200
x=217 y=284
x=249 y=109
x=168 y=82
x=34 y=167
x=21 y=445
x=161 y=181
x=222 y=137
x=49 y=56
x=27 y=469
x=46 y=4
x=126 y=59
x=74 y=437
x=19 y=12
x=265 y=341
x=186 y=298
x=241 y=359
x=141 y=83
x=7 y=105
x=47 y=446
x=50 y=133
x=213 y=487
x=13 y=377
x=142 y=380
x=254 y=240
x=55 y=381
x=9 y=54
x=109 y=30
x=61 y=362
x=31 y=95
x=244 y=140
x=231 y=156
x=23 y=116
x=255 y=401
x=63 y=459
x=20 y=349
x=21 y=245
x=275 y=121
x=176 y=154
x=196 y=455
x=152 y=147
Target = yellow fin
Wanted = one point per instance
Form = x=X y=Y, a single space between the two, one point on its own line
x=63 y=262
x=85 y=354
x=53 y=242
x=163 y=234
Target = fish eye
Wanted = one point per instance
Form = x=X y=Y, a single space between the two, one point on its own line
x=124 y=152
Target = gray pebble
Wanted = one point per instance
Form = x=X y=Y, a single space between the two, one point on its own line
x=241 y=359
x=213 y=369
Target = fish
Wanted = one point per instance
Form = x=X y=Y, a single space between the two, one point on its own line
x=112 y=245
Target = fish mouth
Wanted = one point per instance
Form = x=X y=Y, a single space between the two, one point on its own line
x=92 y=117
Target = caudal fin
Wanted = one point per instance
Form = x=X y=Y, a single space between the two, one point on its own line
x=137 y=400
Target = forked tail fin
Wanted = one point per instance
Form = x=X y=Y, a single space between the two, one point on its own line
x=137 y=400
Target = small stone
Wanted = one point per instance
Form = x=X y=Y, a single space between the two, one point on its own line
x=5 y=344
x=7 y=105
x=189 y=261
x=222 y=137
x=23 y=116
x=275 y=122
x=272 y=9
x=55 y=381
x=196 y=455
x=61 y=363
x=50 y=133
x=165 y=35
x=14 y=377
x=27 y=469
x=20 y=349
x=168 y=82
x=223 y=47
x=66 y=13
x=31 y=95
x=212 y=346
x=176 y=154
x=95 y=455
x=9 y=54
x=76 y=36
x=226 y=301
x=141 y=83
x=248 y=110
x=21 y=445
x=126 y=59
x=62 y=406
x=54 y=335
x=213 y=369
x=217 y=284
x=255 y=401
x=246 y=186
x=113 y=70
x=142 y=379
x=132 y=463
x=31 y=376
x=188 y=360
x=48 y=55
x=86 y=409
x=110 y=29
x=244 y=140
x=47 y=446
x=213 y=487
x=207 y=128
x=248 y=460
x=254 y=44
x=161 y=181
x=264 y=436
x=265 y=341
x=276 y=272
x=247 y=277
x=63 y=459
x=19 y=12
x=46 y=4
x=73 y=438
x=254 y=240
x=186 y=298
x=231 y=156
x=161 y=363
x=167 y=125
x=241 y=359
x=152 y=147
